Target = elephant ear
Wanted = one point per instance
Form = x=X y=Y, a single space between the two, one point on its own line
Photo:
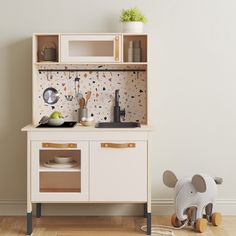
x=169 y=179
x=199 y=183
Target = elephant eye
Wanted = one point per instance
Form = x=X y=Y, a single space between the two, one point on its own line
x=191 y=191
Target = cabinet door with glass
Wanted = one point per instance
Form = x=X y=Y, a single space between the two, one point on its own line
x=91 y=48
x=59 y=171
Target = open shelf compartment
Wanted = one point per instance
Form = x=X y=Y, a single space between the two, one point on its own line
x=47 y=48
x=136 y=39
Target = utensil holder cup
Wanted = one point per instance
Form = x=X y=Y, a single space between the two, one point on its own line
x=82 y=112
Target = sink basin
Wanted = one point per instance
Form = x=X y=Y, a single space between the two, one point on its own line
x=117 y=125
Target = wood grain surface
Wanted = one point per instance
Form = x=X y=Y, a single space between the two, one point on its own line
x=102 y=226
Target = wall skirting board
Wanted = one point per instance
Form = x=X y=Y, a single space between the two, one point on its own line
x=159 y=207
x=165 y=206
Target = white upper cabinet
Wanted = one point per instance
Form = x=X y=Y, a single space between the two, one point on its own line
x=91 y=48
x=111 y=48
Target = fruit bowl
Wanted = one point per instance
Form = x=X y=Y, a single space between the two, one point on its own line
x=55 y=122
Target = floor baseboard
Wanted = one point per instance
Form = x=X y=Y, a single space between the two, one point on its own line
x=159 y=207
x=166 y=206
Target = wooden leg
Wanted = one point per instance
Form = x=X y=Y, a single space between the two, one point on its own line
x=145 y=210
x=29 y=223
x=149 y=223
x=38 y=210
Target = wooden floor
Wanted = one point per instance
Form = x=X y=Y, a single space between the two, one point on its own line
x=102 y=226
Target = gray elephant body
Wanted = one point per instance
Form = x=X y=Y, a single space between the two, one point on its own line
x=187 y=196
x=196 y=192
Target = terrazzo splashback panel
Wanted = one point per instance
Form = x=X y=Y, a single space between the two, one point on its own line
x=102 y=84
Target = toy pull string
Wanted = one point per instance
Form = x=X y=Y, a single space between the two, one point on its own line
x=163 y=229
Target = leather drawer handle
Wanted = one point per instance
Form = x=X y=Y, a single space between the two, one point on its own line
x=118 y=145
x=59 y=145
x=117 y=44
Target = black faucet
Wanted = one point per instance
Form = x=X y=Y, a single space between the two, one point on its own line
x=117 y=111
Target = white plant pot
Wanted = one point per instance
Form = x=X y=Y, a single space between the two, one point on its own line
x=133 y=27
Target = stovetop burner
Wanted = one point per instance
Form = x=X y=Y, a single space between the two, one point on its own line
x=66 y=124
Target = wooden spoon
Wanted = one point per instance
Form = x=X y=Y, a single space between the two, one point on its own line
x=82 y=103
x=87 y=96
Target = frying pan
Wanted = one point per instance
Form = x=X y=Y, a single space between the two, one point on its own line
x=50 y=95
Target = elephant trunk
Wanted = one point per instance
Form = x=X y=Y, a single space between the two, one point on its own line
x=180 y=211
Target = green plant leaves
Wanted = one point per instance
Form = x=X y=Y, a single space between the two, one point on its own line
x=132 y=14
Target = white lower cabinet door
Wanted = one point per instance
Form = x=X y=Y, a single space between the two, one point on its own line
x=118 y=171
x=59 y=171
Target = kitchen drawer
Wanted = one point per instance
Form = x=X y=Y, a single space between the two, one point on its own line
x=118 y=171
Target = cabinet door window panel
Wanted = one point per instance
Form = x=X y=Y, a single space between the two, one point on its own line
x=90 y=48
x=59 y=179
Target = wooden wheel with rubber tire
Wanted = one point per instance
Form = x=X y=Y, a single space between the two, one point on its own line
x=201 y=225
x=175 y=221
x=216 y=219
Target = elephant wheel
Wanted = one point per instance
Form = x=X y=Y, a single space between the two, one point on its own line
x=216 y=219
x=201 y=225
x=175 y=221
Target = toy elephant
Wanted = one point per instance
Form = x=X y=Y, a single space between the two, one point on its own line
x=192 y=197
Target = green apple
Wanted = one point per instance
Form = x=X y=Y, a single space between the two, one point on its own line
x=56 y=115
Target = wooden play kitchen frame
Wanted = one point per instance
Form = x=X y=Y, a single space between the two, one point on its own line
x=113 y=165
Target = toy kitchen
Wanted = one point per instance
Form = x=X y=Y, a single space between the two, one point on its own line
x=88 y=141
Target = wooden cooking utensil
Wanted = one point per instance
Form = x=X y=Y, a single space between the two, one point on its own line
x=87 y=96
x=82 y=103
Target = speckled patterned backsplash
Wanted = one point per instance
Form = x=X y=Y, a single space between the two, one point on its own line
x=132 y=86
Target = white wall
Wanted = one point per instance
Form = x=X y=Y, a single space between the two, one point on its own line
x=192 y=86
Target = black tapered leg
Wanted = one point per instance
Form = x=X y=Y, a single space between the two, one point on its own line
x=38 y=210
x=149 y=223
x=29 y=223
x=145 y=210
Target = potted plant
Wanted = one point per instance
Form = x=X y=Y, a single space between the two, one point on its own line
x=133 y=20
